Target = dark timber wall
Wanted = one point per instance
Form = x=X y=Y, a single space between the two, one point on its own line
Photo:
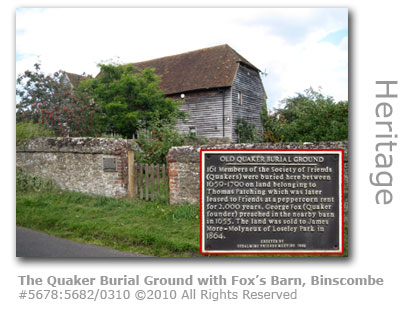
x=214 y=113
x=205 y=109
x=248 y=82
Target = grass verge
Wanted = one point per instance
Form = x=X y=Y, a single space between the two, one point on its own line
x=152 y=228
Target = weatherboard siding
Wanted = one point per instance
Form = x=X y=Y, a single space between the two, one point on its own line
x=248 y=82
x=205 y=113
x=205 y=107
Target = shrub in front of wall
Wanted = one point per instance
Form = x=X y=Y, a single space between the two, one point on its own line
x=32 y=183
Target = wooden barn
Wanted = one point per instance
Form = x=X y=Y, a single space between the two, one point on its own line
x=217 y=87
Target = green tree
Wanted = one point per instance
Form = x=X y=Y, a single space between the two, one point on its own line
x=49 y=101
x=130 y=101
x=308 y=117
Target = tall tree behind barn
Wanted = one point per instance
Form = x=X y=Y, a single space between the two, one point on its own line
x=217 y=87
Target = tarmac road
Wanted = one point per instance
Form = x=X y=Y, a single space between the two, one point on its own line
x=30 y=243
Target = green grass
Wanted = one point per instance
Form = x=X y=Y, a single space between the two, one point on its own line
x=152 y=228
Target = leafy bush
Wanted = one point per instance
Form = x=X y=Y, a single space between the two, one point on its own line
x=27 y=182
x=308 y=117
x=246 y=132
x=29 y=130
x=156 y=141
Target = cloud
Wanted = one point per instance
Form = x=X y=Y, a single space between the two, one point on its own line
x=296 y=24
x=288 y=43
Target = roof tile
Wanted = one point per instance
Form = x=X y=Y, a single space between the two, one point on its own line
x=207 y=68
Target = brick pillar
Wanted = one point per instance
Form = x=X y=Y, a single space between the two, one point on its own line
x=121 y=152
x=173 y=182
x=183 y=165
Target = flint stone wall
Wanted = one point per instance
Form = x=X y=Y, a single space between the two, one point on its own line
x=77 y=164
x=184 y=166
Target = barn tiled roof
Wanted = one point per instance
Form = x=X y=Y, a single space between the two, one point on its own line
x=74 y=78
x=207 y=68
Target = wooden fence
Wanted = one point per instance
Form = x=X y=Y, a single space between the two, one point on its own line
x=146 y=181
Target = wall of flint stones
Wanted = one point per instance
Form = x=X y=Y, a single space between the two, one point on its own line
x=184 y=166
x=77 y=164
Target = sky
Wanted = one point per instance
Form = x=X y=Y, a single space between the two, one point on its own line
x=294 y=48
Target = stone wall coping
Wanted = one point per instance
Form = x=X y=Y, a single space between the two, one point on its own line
x=77 y=145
